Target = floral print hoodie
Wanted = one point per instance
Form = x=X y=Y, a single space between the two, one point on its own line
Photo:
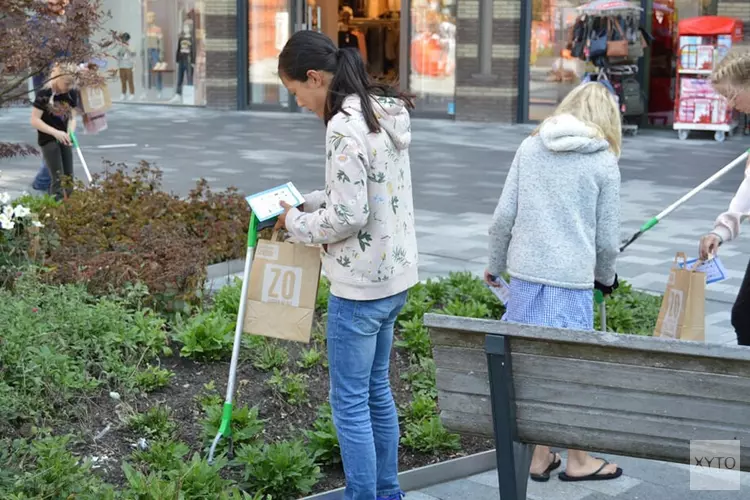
x=364 y=219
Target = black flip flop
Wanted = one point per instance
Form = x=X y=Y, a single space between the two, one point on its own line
x=544 y=476
x=594 y=476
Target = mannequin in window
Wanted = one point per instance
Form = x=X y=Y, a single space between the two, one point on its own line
x=185 y=58
x=350 y=37
x=154 y=48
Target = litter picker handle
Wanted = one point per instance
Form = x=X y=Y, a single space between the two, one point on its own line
x=677 y=204
x=225 y=428
x=599 y=299
x=74 y=139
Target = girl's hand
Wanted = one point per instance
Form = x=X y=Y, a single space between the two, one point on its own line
x=709 y=245
x=63 y=138
x=490 y=279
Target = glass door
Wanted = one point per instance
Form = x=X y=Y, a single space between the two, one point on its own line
x=269 y=26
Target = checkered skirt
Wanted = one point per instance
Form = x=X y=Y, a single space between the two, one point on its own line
x=544 y=305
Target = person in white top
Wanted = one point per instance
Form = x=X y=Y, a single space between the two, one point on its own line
x=731 y=78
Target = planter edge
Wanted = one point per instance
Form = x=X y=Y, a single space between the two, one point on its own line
x=429 y=475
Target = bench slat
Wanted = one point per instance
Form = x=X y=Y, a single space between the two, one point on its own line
x=467 y=423
x=653 y=380
x=633 y=445
x=461 y=359
x=464 y=382
x=630 y=357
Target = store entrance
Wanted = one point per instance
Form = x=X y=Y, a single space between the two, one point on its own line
x=372 y=27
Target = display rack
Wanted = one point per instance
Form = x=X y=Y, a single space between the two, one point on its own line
x=704 y=41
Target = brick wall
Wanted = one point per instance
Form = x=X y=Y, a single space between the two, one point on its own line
x=479 y=98
x=221 y=54
x=739 y=9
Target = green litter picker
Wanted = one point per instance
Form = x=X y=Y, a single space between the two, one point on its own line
x=674 y=206
x=74 y=139
x=225 y=428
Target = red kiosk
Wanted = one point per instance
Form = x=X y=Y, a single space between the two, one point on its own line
x=703 y=42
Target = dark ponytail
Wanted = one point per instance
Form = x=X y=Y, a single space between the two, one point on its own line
x=310 y=50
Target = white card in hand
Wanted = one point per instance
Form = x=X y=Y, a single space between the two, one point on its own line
x=502 y=292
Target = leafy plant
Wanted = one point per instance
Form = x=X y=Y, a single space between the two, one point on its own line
x=470 y=309
x=421 y=408
x=162 y=456
x=281 y=470
x=153 y=378
x=209 y=396
x=421 y=377
x=156 y=423
x=227 y=299
x=322 y=440
x=44 y=467
x=59 y=344
x=415 y=338
x=270 y=356
x=291 y=385
x=206 y=336
x=429 y=436
x=38 y=204
x=324 y=290
x=193 y=479
x=630 y=311
x=309 y=358
x=246 y=426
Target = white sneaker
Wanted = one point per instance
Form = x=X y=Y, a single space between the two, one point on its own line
x=122 y=97
x=159 y=96
x=143 y=96
x=176 y=99
x=131 y=97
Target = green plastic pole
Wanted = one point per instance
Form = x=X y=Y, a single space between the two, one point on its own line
x=225 y=428
x=77 y=147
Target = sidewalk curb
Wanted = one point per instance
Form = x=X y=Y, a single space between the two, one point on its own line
x=430 y=475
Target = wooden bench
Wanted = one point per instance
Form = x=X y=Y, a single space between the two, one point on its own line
x=622 y=394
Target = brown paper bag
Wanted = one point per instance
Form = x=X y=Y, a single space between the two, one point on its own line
x=282 y=290
x=95 y=99
x=682 y=313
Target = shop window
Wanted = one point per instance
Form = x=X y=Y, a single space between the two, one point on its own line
x=432 y=52
x=553 y=70
x=161 y=55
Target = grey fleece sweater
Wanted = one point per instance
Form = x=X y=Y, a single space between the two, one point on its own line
x=558 y=219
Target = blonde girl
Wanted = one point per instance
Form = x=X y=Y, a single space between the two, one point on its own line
x=53 y=116
x=731 y=78
x=556 y=230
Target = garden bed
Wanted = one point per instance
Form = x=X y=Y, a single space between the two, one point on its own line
x=107 y=377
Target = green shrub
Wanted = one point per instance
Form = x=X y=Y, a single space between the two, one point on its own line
x=207 y=336
x=310 y=358
x=629 y=311
x=421 y=377
x=324 y=289
x=193 y=479
x=429 y=436
x=209 y=396
x=322 y=440
x=59 y=344
x=247 y=428
x=162 y=456
x=44 y=467
x=422 y=407
x=153 y=378
x=269 y=355
x=415 y=338
x=292 y=386
x=281 y=470
x=156 y=423
x=38 y=204
x=227 y=299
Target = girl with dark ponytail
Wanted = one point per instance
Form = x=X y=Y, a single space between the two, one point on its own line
x=364 y=220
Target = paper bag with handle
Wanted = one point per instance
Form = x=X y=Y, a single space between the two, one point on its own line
x=682 y=313
x=282 y=290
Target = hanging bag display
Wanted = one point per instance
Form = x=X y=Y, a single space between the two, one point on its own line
x=616 y=48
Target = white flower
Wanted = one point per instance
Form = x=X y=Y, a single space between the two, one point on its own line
x=20 y=211
x=4 y=198
x=8 y=211
x=6 y=223
x=36 y=223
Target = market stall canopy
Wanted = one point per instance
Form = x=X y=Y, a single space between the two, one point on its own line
x=711 y=26
x=609 y=7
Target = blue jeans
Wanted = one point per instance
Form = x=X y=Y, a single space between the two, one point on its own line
x=42 y=179
x=360 y=335
x=153 y=58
